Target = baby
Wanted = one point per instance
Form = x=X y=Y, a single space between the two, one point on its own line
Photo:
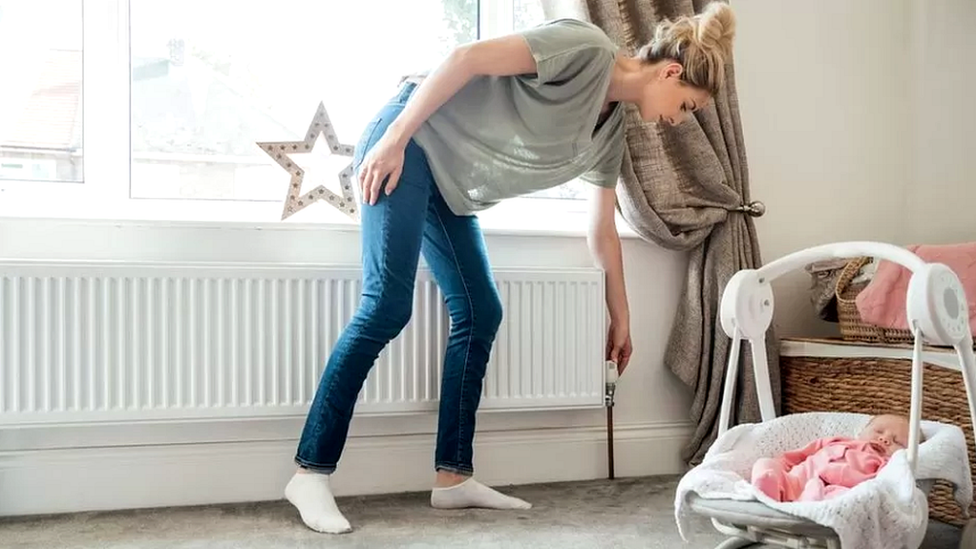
x=830 y=466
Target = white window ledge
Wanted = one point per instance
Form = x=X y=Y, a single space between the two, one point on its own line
x=517 y=217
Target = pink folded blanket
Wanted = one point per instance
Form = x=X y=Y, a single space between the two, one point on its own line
x=882 y=302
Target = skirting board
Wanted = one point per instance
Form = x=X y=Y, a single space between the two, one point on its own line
x=73 y=480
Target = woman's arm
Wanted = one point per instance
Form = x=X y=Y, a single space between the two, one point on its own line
x=506 y=55
x=604 y=243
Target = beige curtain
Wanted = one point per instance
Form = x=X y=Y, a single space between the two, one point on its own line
x=686 y=188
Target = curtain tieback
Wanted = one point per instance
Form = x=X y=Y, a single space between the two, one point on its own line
x=754 y=208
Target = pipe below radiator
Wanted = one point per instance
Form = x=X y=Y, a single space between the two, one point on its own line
x=611 y=388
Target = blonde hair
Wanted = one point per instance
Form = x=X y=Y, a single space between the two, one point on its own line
x=701 y=43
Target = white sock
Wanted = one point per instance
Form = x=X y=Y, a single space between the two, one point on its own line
x=310 y=493
x=472 y=493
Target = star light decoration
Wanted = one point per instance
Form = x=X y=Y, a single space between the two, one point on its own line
x=295 y=201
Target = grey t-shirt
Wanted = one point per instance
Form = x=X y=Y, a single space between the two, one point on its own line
x=501 y=137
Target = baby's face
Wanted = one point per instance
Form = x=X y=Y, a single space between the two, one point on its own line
x=889 y=432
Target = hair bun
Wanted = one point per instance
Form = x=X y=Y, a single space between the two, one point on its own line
x=716 y=28
x=702 y=43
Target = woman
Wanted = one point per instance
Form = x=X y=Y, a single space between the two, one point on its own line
x=498 y=118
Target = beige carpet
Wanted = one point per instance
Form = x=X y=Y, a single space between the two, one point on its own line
x=631 y=513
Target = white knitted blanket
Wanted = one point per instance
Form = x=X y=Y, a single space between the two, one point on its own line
x=887 y=511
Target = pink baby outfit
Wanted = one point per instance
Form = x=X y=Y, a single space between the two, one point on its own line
x=823 y=469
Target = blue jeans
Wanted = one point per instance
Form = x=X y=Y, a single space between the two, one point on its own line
x=414 y=219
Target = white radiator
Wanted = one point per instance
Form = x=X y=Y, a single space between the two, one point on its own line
x=119 y=342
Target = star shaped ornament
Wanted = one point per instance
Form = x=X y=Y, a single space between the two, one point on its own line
x=295 y=201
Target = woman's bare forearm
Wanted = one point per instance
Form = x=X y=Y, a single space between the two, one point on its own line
x=606 y=251
x=439 y=86
x=604 y=244
x=496 y=57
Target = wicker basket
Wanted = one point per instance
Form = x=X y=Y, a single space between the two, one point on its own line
x=880 y=385
x=852 y=327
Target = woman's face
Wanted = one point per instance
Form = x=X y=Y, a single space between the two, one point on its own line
x=668 y=100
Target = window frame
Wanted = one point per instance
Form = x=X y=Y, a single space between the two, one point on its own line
x=105 y=191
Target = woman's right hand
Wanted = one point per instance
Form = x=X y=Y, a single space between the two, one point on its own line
x=384 y=159
x=619 y=345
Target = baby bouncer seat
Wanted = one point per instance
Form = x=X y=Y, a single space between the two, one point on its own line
x=888 y=511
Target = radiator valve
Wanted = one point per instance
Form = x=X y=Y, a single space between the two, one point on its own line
x=611 y=387
x=611 y=375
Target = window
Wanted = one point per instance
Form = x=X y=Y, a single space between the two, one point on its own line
x=205 y=91
x=40 y=99
x=527 y=13
x=183 y=92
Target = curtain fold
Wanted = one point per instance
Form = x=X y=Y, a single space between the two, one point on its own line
x=686 y=188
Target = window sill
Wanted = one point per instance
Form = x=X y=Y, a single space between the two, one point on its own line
x=530 y=217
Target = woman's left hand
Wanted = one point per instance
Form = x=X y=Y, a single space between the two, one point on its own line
x=619 y=346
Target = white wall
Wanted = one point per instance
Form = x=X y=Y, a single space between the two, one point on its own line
x=858 y=124
x=942 y=194
x=823 y=97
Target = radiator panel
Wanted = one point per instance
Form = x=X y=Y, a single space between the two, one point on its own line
x=108 y=341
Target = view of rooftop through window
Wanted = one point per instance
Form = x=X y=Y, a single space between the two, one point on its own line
x=204 y=91
x=208 y=80
x=40 y=98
